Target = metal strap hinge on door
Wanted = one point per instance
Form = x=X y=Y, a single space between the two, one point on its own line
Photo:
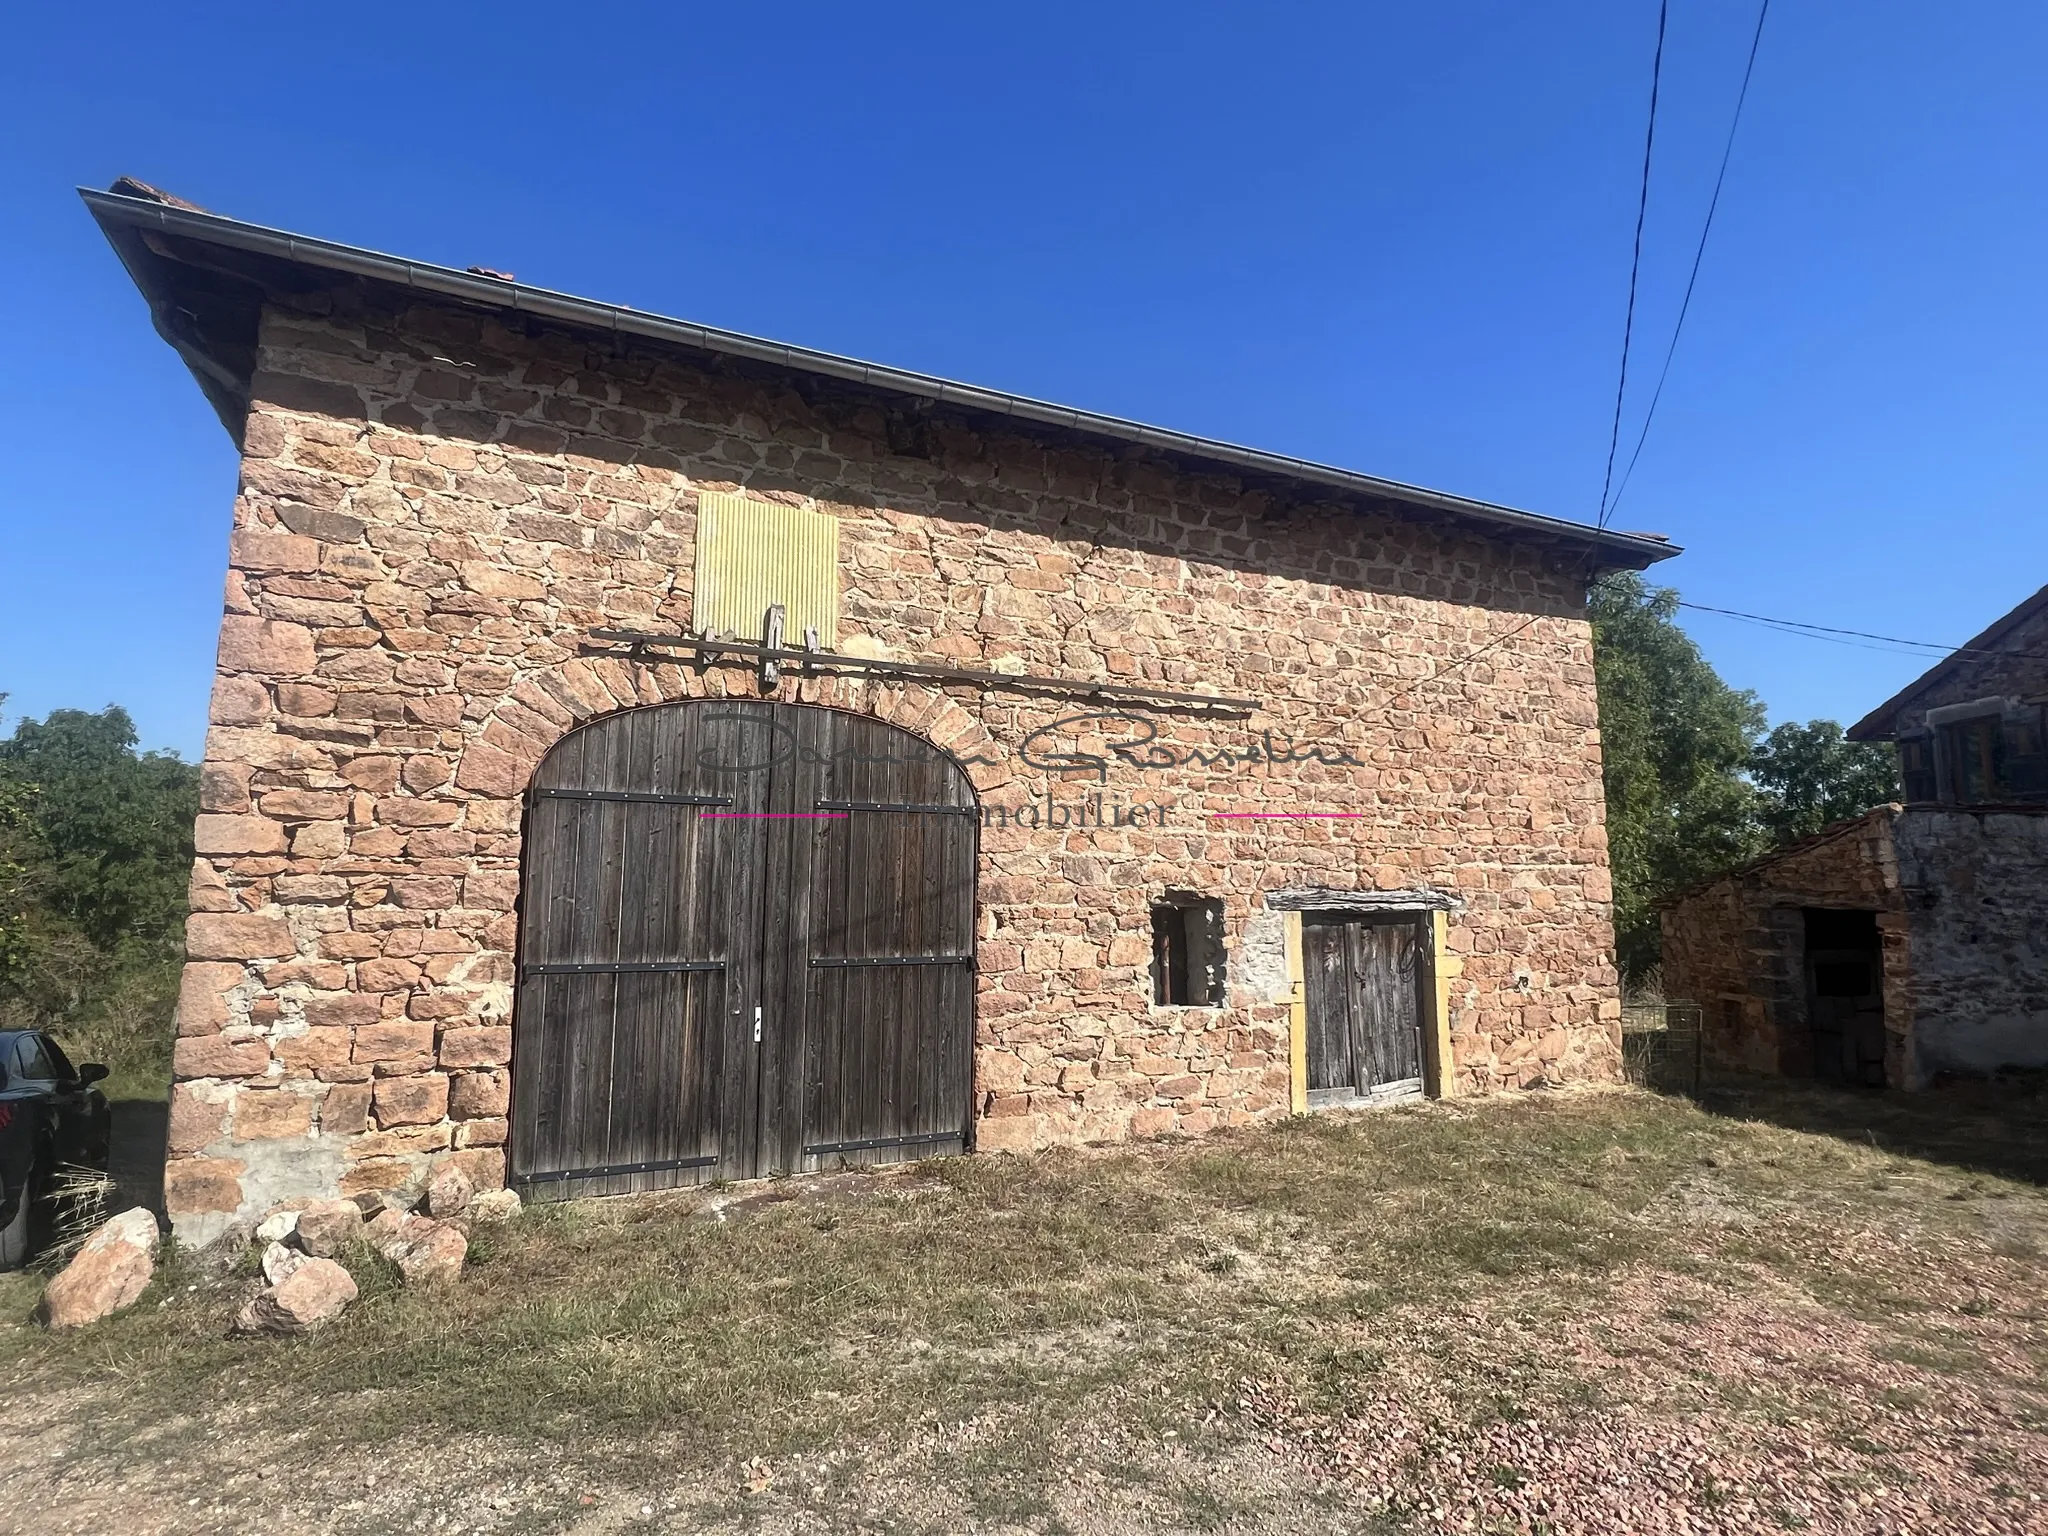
x=630 y=797
x=614 y=1170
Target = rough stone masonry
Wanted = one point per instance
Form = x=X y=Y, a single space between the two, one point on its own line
x=1956 y=895
x=439 y=501
x=1954 y=879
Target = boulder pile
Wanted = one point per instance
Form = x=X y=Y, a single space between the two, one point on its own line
x=427 y=1237
x=304 y=1283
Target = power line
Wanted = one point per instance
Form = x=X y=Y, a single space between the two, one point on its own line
x=1621 y=386
x=1699 y=255
x=1827 y=632
x=1635 y=265
x=1798 y=627
x=1607 y=504
x=1880 y=647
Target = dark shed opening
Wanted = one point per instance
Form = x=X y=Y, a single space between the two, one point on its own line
x=1845 y=996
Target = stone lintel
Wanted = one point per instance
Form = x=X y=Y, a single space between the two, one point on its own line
x=1318 y=899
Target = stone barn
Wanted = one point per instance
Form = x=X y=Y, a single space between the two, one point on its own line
x=642 y=754
x=1905 y=944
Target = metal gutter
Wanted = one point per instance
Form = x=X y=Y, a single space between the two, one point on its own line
x=114 y=210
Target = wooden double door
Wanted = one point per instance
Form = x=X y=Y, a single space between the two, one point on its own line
x=746 y=947
x=1369 y=990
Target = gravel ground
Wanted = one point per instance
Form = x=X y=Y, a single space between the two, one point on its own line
x=1853 y=1440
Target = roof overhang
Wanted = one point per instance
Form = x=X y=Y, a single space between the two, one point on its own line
x=205 y=278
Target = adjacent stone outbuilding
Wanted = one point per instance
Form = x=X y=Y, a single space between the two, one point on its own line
x=1907 y=943
x=1202 y=700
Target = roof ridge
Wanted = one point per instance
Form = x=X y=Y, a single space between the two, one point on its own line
x=118 y=212
x=130 y=186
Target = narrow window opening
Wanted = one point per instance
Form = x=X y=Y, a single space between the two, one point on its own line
x=1187 y=951
x=1916 y=769
x=2026 y=757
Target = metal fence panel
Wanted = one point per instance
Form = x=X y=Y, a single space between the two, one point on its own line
x=1661 y=1046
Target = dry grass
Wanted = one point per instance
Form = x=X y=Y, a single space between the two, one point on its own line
x=78 y=1198
x=1000 y=1336
x=801 y=1319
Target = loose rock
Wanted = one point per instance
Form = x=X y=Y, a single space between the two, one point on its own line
x=435 y=1257
x=277 y=1227
x=313 y=1294
x=384 y=1228
x=448 y=1192
x=281 y=1263
x=108 y=1273
x=327 y=1226
x=494 y=1205
x=400 y=1233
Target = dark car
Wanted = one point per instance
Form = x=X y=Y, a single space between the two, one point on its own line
x=50 y=1115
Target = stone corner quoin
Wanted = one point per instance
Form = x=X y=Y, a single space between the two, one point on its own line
x=436 y=507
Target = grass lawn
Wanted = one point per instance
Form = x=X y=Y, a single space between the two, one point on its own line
x=1787 y=1310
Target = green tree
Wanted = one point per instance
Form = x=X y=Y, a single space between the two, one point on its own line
x=114 y=825
x=1812 y=776
x=95 y=852
x=1677 y=741
x=22 y=859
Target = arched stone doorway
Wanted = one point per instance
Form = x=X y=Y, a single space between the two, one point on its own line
x=746 y=947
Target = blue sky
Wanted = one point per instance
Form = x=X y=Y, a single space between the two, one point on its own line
x=1391 y=237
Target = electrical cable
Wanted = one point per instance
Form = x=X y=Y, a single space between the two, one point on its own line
x=1714 y=202
x=1635 y=265
x=1826 y=631
x=1621 y=386
x=1608 y=502
x=1463 y=661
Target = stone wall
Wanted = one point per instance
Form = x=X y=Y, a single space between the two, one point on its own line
x=1737 y=946
x=435 y=508
x=1976 y=886
x=1959 y=896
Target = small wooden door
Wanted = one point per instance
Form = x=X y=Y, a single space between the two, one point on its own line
x=746 y=947
x=1367 y=993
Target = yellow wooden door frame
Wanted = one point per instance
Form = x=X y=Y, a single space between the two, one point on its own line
x=1439 y=1081
x=1297 y=1018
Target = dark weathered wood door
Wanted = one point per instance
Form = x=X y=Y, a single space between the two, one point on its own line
x=746 y=947
x=1367 y=981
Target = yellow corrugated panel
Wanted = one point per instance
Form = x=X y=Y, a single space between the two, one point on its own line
x=754 y=554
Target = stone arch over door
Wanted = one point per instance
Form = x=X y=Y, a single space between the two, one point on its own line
x=746 y=947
